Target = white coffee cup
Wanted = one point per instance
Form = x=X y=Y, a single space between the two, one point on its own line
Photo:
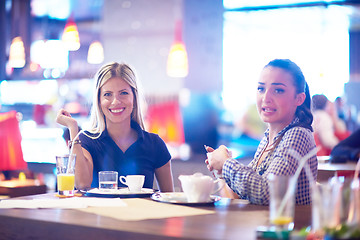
x=199 y=187
x=134 y=182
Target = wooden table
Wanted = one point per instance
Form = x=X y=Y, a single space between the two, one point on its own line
x=231 y=220
x=327 y=170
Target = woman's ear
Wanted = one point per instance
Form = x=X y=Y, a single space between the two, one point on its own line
x=300 y=98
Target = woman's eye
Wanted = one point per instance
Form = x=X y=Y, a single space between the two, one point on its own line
x=279 y=90
x=124 y=93
x=107 y=94
x=260 y=89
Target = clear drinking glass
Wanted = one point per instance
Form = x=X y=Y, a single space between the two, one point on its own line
x=65 y=170
x=282 y=201
x=108 y=180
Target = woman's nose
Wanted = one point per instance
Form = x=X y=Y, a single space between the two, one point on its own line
x=116 y=99
x=267 y=97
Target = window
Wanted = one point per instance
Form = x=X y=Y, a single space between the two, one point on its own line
x=315 y=38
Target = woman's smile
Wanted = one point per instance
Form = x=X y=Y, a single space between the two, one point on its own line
x=116 y=100
x=116 y=110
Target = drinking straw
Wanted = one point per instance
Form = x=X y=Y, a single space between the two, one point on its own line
x=71 y=151
x=294 y=178
x=312 y=182
x=77 y=136
x=307 y=169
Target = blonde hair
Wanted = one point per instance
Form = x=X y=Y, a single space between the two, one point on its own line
x=111 y=70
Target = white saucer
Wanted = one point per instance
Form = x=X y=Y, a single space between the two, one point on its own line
x=121 y=192
x=180 y=198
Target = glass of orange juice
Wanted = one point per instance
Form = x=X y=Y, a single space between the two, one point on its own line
x=282 y=201
x=65 y=169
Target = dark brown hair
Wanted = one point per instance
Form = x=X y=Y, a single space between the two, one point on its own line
x=303 y=112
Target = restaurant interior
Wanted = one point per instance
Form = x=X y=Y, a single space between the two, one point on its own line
x=198 y=63
x=199 y=95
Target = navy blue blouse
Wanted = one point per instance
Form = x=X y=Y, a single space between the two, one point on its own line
x=148 y=153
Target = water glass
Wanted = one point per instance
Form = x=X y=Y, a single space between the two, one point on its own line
x=332 y=203
x=108 y=180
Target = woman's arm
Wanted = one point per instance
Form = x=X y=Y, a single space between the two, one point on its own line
x=83 y=168
x=245 y=182
x=164 y=178
x=253 y=185
x=242 y=180
x=83 y=164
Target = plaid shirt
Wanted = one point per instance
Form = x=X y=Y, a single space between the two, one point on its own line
x=251 y=182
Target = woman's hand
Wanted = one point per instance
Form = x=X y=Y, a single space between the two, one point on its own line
x=216 y=158
x=84 y=164
x=64 y=118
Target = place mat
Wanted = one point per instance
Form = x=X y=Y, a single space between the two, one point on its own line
x=65 y=203
x=142 y=209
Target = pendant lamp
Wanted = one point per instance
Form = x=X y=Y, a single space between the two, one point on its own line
x=177 y=62
x=70 y=36
x=95 y=53
x=17 y=53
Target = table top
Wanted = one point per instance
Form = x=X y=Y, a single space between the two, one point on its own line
x=17 y=188
x=230 y=219
x=349 y=166
x=328 y=170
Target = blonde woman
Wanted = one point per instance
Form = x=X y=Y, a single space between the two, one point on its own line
x=117 y=139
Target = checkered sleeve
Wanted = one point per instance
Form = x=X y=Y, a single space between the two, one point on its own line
x=251 y=182
x=246 y=182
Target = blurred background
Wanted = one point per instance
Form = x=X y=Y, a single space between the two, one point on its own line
x=51 y=49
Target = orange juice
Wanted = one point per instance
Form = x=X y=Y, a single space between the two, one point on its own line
x=66 y=182
x=282 y=220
